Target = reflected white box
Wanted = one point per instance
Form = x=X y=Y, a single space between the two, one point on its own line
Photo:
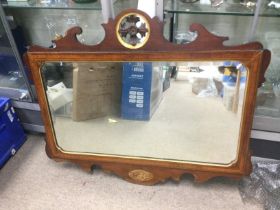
x=59 y=96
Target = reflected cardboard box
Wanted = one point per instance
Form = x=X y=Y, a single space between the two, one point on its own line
x=96 y=90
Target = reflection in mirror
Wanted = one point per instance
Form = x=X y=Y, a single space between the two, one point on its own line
x=181 y=111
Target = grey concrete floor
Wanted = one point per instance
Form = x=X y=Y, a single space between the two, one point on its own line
x=30 y=180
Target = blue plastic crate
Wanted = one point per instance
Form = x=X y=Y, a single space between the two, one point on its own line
x=12 y=135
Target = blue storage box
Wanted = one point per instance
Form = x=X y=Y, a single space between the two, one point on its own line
x=142 y=88
x=11 y=132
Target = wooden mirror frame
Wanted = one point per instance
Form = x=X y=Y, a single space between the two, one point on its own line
x=206 y=47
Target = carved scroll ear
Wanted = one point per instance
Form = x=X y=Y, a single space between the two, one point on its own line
x=203 y=35
x=69 y=37
x=73 y=32
x=265 y=63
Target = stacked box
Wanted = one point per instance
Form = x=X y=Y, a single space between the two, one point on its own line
x=142 y=88
x=96 y=90
x=11 y=132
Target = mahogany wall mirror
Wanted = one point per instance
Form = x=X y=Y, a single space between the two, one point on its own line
x=147 y=109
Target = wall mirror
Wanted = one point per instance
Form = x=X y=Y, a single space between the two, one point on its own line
x=146 y=109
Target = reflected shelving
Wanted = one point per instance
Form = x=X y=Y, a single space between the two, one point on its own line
x=53 y=4
x=240 y=8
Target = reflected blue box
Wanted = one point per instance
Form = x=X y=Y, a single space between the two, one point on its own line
x=12 y=135
x=231 y=79
x=142 y=85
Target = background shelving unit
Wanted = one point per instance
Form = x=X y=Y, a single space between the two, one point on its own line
x=14 y=79
x=242 y=24
x=41 y=20
x=62 y=4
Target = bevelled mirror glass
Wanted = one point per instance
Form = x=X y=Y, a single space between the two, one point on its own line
x=180 y=111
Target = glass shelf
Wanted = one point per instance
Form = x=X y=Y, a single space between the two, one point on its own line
x=52 y=4
x=12 y=83
x=226 y=8
x=121 y=5
x=269 y=12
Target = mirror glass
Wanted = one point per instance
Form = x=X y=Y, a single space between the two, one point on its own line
x=179 y=111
